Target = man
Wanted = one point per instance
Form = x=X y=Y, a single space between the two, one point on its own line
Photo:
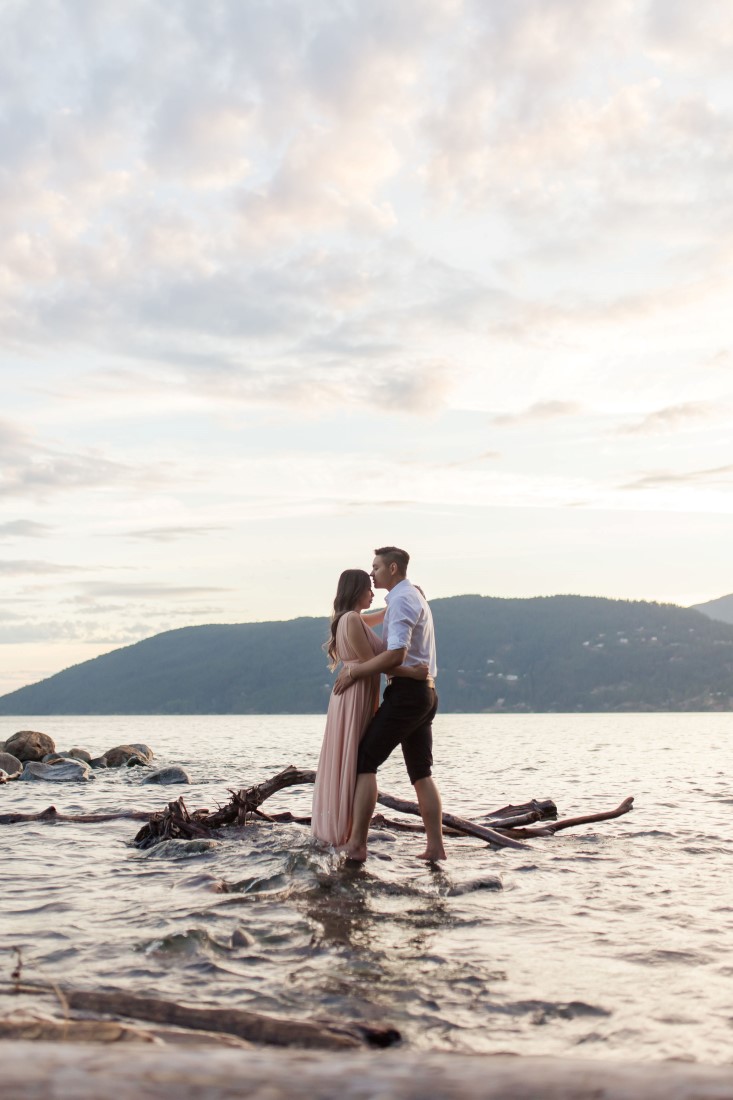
x=406 y=714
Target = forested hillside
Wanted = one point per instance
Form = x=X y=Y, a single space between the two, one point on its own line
x=721 y=609
x=558 y=653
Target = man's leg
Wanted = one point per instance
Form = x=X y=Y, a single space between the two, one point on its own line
x=365 y=799
x=417 y=750
x=431 y=811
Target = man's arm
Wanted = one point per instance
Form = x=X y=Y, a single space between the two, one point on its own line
x=383 y=662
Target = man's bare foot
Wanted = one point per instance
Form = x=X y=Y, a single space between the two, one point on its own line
x=433 y=856
x=356 y=854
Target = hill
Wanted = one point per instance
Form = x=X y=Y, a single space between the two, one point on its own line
x=555 y=653
x=720 y=609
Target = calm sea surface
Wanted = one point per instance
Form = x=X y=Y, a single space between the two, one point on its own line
x=611 y=941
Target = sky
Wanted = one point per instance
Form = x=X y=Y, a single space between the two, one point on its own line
x=282 y=281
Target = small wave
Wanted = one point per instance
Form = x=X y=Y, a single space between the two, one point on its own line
x=173 y=849
x=573 y=1010
x=486 y=882
x=542 y=1011
x=190 y=942
x=33 y=910
x=277 y=884
x=662 y=957
x=204 y=882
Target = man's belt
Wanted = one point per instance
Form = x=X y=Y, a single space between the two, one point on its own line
x=429 y=682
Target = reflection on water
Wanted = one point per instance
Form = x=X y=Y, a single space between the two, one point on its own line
x=592 y=942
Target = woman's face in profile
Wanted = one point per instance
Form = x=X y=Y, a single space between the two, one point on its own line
x=364 y=601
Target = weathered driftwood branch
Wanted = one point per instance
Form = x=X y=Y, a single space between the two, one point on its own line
x=252 y=1026
x=469 y=828
x=506 y=827
x=51 y=816
x=379 y=821
x=544 y=806
x=175 y=821
x=583 y=819
x=43 y=1028
x=534 y=810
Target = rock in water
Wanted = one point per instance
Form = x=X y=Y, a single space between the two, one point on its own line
x=30 y=745
x=80 y=754
x=127 y=755
x=168 y=776
x=145 y=751
x=10 y=764
x=66 y=771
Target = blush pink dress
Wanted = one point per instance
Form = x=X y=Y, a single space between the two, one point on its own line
x=346 y=721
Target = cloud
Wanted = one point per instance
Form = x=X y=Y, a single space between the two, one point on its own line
x=45 y=472
x=540 y=411
x=687 y=37
x=35 y=568
x=147 y=590
x=717 y=475
x=29 y=467
x=485 y=456
x=172 y=534
x=24 y=528
x=670 y=419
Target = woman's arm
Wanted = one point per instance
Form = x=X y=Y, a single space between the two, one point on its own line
x=383 y=662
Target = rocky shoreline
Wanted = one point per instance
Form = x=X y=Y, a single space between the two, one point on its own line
x=30 y=755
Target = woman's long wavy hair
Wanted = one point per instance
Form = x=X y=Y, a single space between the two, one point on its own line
x=352 y=583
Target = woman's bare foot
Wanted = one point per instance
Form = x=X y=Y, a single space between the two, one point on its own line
x=356 y=853
x=433 y=856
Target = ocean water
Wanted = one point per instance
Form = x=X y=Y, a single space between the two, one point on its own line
x=611 y=940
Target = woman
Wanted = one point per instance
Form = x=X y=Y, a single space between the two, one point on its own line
x=351 y=641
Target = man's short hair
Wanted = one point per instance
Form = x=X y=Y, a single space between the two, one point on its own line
x=393 y=554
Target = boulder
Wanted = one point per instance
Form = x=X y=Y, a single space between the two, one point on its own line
x=167 y=776
x=79 y=754
x=29 y=745
x=99 y=762
x=144 y=750
x=65 y=771
x=126 y=755
x=10 y=764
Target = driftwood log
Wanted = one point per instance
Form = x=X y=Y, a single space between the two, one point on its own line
x=504 y=828
x=254 y=1027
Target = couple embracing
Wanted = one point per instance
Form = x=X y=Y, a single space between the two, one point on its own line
x=360 y=733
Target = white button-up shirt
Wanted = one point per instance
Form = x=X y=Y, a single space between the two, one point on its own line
x=408 y=624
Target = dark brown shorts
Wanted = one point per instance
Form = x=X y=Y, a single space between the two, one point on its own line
x=404 y=718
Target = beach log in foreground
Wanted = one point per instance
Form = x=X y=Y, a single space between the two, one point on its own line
x=255 y=1027
x=60 y=1071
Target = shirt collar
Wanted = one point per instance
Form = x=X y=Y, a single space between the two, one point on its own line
x=399 y=585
